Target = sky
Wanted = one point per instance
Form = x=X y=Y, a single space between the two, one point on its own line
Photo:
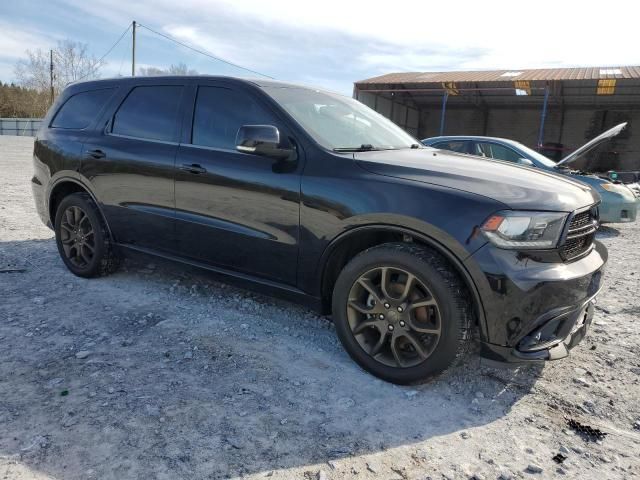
x=328 y=43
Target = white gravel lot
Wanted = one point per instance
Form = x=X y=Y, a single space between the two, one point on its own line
x=181 y=376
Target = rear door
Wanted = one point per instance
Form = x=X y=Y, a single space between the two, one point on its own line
x=236 y=210
x=131 y=164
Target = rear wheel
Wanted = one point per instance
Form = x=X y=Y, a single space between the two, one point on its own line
x=401 y=312
x=82 y=237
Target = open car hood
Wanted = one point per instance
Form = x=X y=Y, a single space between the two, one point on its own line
x=589 y=146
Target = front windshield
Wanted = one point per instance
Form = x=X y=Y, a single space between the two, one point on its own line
x=340 y=123
x=547 y=162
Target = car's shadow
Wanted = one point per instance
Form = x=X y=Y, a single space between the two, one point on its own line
x=607 y=231
x=189 y=378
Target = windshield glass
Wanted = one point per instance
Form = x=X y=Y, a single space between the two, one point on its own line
x=340 y=123
x=547 y=162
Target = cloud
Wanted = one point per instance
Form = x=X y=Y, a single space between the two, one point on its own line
x=336 y=42
x=14 y=41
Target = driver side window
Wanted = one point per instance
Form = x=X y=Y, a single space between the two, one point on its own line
x=220 y=112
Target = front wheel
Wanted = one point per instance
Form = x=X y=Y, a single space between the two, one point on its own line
x=401 y=312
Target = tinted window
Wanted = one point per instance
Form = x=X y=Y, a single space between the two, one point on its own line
x=220 y=112
x=499 y=152
x=149 y=112
x=81 y=109
x=454 y=146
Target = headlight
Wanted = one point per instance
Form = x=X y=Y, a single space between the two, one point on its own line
x=615 y=188
x=524 y=230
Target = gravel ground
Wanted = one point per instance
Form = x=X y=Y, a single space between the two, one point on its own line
x=160 y=371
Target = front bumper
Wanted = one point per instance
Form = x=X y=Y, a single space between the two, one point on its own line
x=533 y=310
x=618 y=210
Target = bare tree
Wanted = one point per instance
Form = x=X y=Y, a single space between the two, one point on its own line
x=179 y=69
x=71 y=62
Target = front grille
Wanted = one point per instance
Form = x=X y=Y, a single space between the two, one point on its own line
x=580 y=234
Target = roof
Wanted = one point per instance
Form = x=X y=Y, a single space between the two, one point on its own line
x=159 y=78
x=544 y=74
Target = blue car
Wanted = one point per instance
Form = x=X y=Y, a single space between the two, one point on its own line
x=619 y=203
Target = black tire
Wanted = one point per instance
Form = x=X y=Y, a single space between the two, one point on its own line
x=89 y=252
x=450 y=309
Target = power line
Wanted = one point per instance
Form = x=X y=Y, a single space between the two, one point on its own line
x=96 y=65
x=206 y=54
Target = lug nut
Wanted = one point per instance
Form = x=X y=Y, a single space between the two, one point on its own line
x=390 y=327
x=381 y=317
x=386 y=305
x=400 y=309
x=401 y=323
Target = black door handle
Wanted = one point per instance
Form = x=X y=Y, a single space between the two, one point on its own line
x=96 y=154
x=193 y=168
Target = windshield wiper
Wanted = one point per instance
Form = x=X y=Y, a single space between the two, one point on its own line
x=365 y=147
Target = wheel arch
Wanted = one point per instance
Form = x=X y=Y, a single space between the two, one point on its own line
x=347 y=245
x=65 y=186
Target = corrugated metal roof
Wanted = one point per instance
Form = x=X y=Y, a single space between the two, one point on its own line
x=583 y=73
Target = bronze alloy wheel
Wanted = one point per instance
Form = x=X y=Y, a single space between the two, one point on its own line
x=77 y=236
x=394 y=317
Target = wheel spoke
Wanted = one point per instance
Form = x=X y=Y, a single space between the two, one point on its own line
x=85 y=257
x=67 y=241
x=76 y=216
x=83 y=218
x=423 y=302
x=362 y=326
x=70 y=219
x=416 y=344
x=395 y=352
x=66 y=227
x=407 y=287
x=371 y=288
x=379 y=344
x=359 y=307
x=90 y=232
x=384 y=282
x=89 y=247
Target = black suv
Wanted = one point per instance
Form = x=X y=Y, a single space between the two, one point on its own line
x=314 y=196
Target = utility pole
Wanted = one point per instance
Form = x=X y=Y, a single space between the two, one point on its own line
x=51 y=73
x=133 y=50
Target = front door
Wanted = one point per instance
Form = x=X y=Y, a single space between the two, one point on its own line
x=235 y=210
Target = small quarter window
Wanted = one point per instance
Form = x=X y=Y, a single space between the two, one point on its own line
x=81 y=109
x=149 y=112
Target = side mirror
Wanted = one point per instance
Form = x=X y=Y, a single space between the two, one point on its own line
x=261 y=140
x=525 y=161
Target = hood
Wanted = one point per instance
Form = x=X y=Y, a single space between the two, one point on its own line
x=589 y=146
x=515 y=186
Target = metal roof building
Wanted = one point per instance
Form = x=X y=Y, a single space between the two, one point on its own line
x=555 y=109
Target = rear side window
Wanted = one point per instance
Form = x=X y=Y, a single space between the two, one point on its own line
x=149 y=112
x=81 y=109
x=220 y=113
x=454 y=146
